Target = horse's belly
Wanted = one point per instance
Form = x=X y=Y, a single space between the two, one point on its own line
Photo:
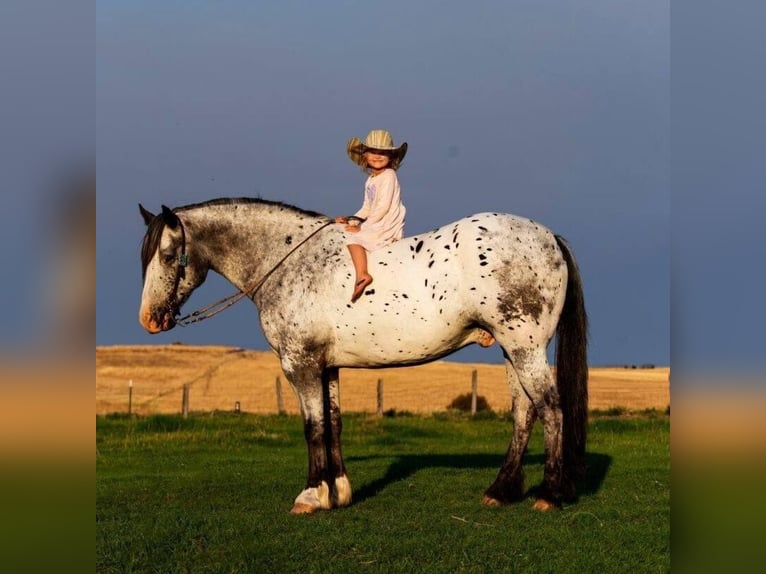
x=397 y=344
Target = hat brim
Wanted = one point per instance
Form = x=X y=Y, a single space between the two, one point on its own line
x=356 y=149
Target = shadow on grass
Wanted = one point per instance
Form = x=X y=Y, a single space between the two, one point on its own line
x=406 y=465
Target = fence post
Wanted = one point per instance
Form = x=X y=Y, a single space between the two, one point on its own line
x=280 y=400
x=474 y=391
x=130 y=397
x=185 y=402
x=380 y=398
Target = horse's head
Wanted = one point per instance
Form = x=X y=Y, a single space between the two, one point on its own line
x=171 y=269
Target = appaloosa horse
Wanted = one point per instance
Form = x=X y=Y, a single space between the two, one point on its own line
x=433 y=294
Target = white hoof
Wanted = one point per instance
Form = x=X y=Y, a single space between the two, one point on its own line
x=312 y=499
x=342 y=491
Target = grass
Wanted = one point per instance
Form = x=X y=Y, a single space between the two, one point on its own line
x=212 y=493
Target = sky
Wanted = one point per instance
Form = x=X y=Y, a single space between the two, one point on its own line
x=556 y=111
x=573 y=114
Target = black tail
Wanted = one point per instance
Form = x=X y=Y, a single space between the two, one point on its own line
x=572 y=368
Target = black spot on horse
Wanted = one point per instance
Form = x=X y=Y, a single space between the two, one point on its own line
x=419 y=246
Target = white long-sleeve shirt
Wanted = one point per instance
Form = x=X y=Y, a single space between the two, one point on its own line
x=383 y=211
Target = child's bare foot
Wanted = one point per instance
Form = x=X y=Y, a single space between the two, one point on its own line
x=360 y=286
x=485 y=338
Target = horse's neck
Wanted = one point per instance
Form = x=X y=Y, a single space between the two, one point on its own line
x=245 y=243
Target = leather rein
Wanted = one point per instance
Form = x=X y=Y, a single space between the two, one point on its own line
x=226 y=302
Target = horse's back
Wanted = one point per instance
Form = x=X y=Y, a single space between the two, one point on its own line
x=475 y=244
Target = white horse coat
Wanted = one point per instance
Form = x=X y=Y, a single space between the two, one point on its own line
x=432 y=294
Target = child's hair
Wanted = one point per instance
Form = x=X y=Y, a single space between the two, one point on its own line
x=393 y=162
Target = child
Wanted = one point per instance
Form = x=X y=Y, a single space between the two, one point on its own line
x=382 y=212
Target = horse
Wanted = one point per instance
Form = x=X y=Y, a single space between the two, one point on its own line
x=432 y=294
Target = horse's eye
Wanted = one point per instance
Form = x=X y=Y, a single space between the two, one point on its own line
x=168 y=259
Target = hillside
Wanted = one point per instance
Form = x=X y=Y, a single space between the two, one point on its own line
x=220 y=376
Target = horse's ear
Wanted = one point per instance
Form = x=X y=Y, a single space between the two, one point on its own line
x=170 y=218
x=146 y=214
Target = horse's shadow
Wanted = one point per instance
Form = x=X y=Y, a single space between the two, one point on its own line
x=408 y=464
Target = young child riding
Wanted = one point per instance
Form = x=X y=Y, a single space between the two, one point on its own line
x=382 y=213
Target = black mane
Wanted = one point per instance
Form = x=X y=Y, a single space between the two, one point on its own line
x=240 y=200
x=151 y=242
x=154 y=229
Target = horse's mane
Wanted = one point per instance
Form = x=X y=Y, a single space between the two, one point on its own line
x=151 y=242
x=154 y=229
x=240 y=200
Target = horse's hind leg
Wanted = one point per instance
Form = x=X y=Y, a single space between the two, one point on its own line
x=509 y=484
x=341 y=487
x=535 y=376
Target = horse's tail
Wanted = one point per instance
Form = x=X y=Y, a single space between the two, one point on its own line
x=572 y=368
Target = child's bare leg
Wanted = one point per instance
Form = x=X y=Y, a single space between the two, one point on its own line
x=363 y=278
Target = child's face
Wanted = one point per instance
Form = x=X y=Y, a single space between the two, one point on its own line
x=377 y=160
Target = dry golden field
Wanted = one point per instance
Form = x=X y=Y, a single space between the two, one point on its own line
x=220 y=376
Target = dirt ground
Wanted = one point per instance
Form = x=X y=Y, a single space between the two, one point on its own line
x=219 y=377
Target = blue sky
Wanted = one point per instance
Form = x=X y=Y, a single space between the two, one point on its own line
x=556 y=111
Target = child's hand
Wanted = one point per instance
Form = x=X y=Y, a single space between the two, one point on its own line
x=341 y=219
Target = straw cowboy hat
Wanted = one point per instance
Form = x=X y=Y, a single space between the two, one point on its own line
x=379 y=140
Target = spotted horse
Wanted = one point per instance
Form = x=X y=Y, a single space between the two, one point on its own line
x=434 y=293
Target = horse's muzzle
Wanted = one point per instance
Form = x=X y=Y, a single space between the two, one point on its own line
x=156 y=323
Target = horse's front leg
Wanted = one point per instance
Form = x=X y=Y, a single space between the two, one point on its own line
x=309 y=388
x=341 y=487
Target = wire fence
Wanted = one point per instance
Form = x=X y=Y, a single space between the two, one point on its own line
x=183 y=397
x=247 y=382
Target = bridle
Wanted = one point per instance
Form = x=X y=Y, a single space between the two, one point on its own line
x=182 y=260
x=226 y=302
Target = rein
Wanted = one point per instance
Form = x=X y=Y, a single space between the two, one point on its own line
x=223 y=304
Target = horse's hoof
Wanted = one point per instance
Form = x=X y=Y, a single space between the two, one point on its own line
x=342 y=492
x=543 y=505
x=489 y=501
x=301 y=508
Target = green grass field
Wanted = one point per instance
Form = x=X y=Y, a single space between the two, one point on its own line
x=212 y=493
